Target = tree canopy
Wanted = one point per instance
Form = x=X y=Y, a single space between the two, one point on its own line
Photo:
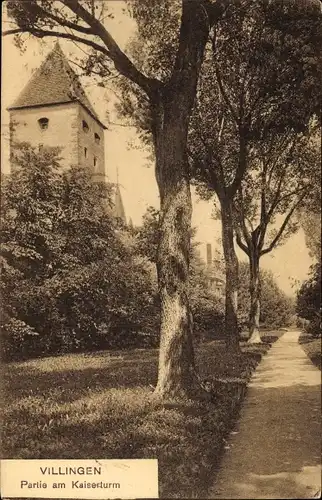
x=249 y=139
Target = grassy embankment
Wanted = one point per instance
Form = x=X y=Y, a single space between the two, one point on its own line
x=100 y=405
x=312 y=348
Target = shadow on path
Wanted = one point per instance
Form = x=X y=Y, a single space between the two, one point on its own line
x=275 y=449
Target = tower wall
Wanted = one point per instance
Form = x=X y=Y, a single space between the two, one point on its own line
x=94 y=147
x=65 y=130
x=62 y=131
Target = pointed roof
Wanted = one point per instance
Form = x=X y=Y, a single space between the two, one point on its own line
x=54 y=82
x=118 y=209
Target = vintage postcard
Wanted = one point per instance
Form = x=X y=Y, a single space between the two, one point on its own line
x=161 y=249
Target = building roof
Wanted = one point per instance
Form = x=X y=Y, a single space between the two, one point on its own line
x=118 y=208
x=54 y=82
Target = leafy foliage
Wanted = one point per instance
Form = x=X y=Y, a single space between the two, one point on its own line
x=310 y=215
x=309 y=300
x=311 y=225
x=70 y=280
x=254 y=101
x=207 y=306
x=312 y=348
x=18 y=338
x=276 y=187
x=259 y=80
x=148 y=234
x=277 y=309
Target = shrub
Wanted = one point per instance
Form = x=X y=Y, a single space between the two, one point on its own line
x=314 y=327
x=17 y=339
x=308 y=305
x=208 y=317
x=69 y=272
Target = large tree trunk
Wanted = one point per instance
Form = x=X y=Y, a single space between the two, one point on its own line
x=255 y=290
x=171 y=112
x=177 y=376
x=231 y=262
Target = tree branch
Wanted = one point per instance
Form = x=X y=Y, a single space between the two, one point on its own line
x=263 y=213
x=276 y=199
x=282 y=228
x=242 y=219
x=64 y=22
x=69 y=36
x=221 y=86
x=59 y=20
x=225 y=95
x=239 y=240
x=122 y=63
x=263 y=193
x=280 y=149
x=292 y=193
x=241 y=167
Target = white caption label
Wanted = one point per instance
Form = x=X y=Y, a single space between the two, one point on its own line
x=90 y=479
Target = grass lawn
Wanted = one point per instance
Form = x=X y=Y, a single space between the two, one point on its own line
x=312 y=348
x=100 y=405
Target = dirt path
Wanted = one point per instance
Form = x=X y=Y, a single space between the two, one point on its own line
x=275 y=449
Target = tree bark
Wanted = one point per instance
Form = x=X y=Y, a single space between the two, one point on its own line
x=231 y=261
x=171 y=110
x=176 y=377
x=255 y=290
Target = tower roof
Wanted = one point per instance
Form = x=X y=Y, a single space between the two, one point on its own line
x=118 y=209
x=54 y=82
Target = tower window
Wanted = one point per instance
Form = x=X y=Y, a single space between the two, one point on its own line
x=85 y=127
x=43 y=123
x=95 y=161
x=85 y=152
x=97 y=138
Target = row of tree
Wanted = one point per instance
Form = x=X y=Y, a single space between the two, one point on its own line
x=218 y=89
x=277 y=308
x=252 y=143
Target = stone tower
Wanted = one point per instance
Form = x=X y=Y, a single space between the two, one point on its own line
x=53 y=110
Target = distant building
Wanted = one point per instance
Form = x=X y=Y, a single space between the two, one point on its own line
x=54 y=110
x=214 y=272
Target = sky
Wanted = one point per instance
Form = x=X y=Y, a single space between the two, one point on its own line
x=290 y=263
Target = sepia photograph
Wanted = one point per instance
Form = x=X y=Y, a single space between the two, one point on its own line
x=161 y=249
